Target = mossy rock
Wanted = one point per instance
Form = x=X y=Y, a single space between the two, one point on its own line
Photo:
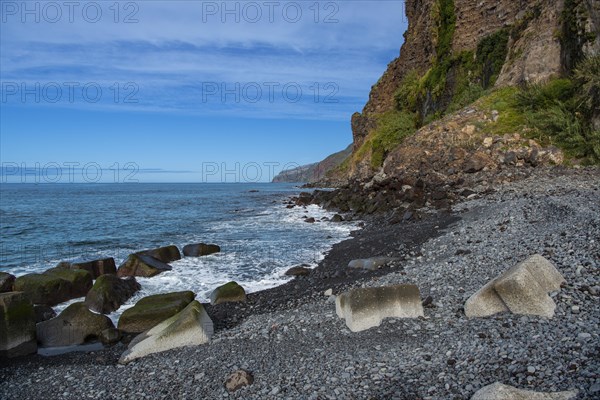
x=142 y=265
x=7 y=282
x=17 y=325
x=45 y=289
x=110 y=292
x=75 y=325
x=97 y=267
x=165 y=254
x=80 y=280
x=200 y=249
x=152 y=310
x=229 y=293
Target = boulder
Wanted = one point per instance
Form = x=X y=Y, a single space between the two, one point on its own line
x=110 y=336
x=43 y=313
x=498 y=391
x=110 y=292
x=152 y=310
x=44 y=288
x=190 y=327
x=17 y=325
x=298 y=271
x=371 y=264
x=229 y=293
x=165 y=254
x=75 y=325
x=365 y=308
x=97 y=267
x=522 y=289
x=7 y=282
x=238 y=380
x=337 y=218
x=143 y=266
x=200 y=249
x=80 y=281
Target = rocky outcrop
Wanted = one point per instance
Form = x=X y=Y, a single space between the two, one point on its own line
x=43 y=313
x=152 y=310
x=75 y=325
x=110 y=292
x=17 y=325
x=7 y=282
x=200 y=249
x=366 y=308
x=142 y=265
x=229 y=293
x=523 y=289
x=499 y=391
x=191 y=327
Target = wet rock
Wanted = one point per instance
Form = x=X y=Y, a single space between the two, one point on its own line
x=75 y=325
x=17 y=325
x=143 y=266
x=80 y=281
x=7 y=282
x=165 y=254
x=298 y=271
x=337 y=218
x=152 y=310
x=200 y=249
x=229 y=293
x=97 y=267
x=191 y=327
x=110 y=336
x=44 y=288
x=110 y=292
x=43 y=313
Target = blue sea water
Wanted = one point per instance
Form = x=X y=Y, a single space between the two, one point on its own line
x=41 y=225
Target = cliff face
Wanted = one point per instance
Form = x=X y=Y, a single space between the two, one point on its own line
x=313 y=172
x=536 y=40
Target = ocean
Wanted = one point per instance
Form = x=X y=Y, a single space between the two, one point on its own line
x=41 y=225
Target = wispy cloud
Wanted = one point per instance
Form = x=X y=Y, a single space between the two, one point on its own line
x=178 y=50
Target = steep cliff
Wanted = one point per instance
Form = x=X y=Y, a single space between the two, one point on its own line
x=458 y=51
x=313 y=172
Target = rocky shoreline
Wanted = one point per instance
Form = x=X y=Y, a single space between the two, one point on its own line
x=291 y=340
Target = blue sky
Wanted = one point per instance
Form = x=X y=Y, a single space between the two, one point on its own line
x=184 y=91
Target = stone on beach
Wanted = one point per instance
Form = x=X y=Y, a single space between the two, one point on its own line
x=366 y=308
x=75 y=325
x=110 y=292
x=43 y=313
x=142 y=265
x=499 y=391
x=200 y=249
x=17 y=325
x=298 y=271
x=152 y=310
x=7 y=282
x=371 y=264
x=229 y=293
x=238 y=380
x=191 y=327
x=522 y=289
